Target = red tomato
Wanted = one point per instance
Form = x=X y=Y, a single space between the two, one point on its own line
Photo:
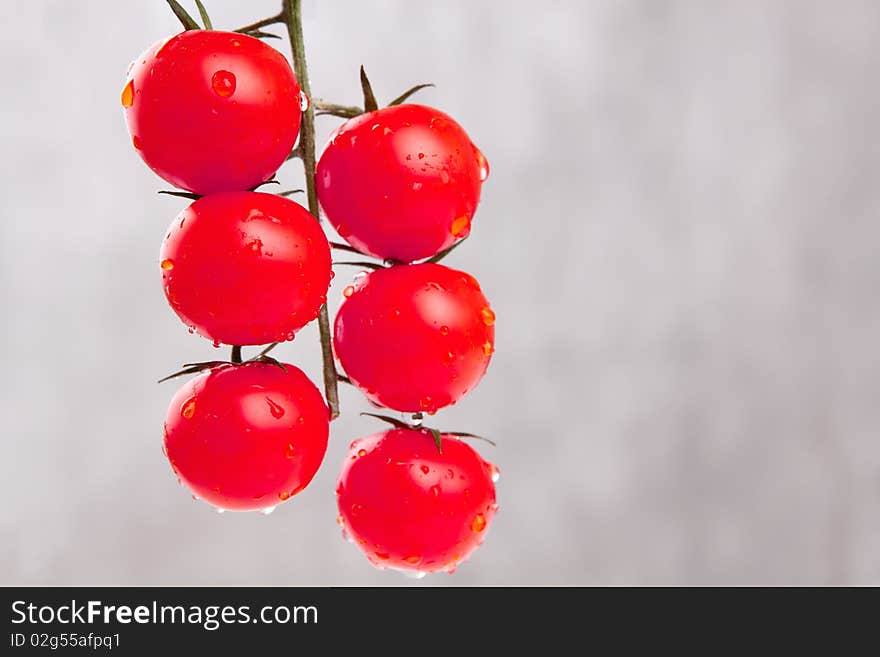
x=415 y=337
x=247 y=437
x=212 y=111
x=402 y=182
x=406 y=506
x=245 y=268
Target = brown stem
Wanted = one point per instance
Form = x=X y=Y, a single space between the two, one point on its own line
x=291 y=14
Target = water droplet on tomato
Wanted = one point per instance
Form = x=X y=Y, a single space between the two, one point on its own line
x=128 y=94
x=483 y=164
x=444 y=330
x=450 y=474
x=487 y=348
x=283 y=495
x=413 y=559
x=167 y=264
x=348 y=291
x=303 y=101
x=426 y=403
x=488 y=316
x=332 y=274
x=461 y=226
x=479 y=523
x=494 y=472
x=343 y=230
x=382 y=555
x=416 y=186
x=362 y=452
x=236 y=43
x=276 y=410
x=216 y=344
x=288 y=451
x=356 y=509
x=425 y=469
x=223 y=83
x=435 y=491
x=136 y=142
x=447 y=358
x=267 y=510
x=189 y=408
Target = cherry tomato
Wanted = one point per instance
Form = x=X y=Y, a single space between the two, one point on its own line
x=245 y=267
x=248 y=436
x=212 y=111
x=415 y=337
x=409 y=507
x=401 y=183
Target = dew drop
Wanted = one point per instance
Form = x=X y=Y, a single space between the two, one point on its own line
x=448 y=358
x=343 y=230
x=461 y=226
x=283 y=495
x=421 y=156
x=444 y=330
x=289 y=451
x=479 y=523
x=450 y=474
x=483 y=164
x=348 y=291
x=435 y=491
x=362 y=452
x=488 y=316
x=267 y=510
x=416 y=186
x=167 y=264
x=426 y=403
x=425 y=469
x=236 y=43
x=413 y=559
x=136 y=142
x=128 y=94
x=384 y=556
x=494 y=472
x=356 y=509
x=276 y=410
x=223 y=83
x=189 y=408
x=303 y=101
x=487 y=348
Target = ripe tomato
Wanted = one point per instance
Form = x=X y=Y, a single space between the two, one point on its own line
x=415 y=337
x=408 y=507
x=402 y=182
x=245 y=267
x=212 y=111
x=246 y=437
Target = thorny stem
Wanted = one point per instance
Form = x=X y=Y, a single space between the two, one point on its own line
x=291 y=15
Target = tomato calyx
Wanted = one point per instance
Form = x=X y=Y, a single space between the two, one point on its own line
x=235 y=360
x=370 y=104
x=417 y=425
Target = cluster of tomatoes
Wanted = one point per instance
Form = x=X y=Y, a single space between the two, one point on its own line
x=216 y=114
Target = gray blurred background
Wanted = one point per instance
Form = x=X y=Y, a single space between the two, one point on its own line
x=679 y=236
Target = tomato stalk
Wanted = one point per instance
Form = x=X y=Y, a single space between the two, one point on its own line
x=291 y=14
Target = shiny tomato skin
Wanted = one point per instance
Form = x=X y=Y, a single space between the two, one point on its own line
x=409 y=507
x=415 y=337
x=212 y=111
x=245 y=268
x=401 y=183
x=246 y=437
